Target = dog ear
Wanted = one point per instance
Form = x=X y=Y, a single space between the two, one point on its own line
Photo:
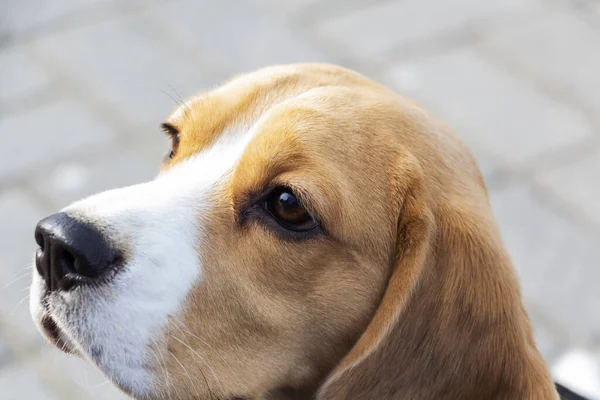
x=450 y=324
x=414 y=232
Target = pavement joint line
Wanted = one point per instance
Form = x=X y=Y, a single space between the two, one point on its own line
x=452 y=39
x=28 y=174
x=97 y=106
x=554 y=91
x=343 y=57
x=529 y=175
x=436 y=44
x=554 y=202
x=564 y=208
x=165 y=38
x=43 y=199
x=557 y=158
x=22 y=104
x=26 y=181
x=568 y=155
x=305 y=16
x=546 y=161
x=79 y=18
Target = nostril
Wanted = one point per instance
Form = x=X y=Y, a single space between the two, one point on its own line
x=64 y=260
x=39 y=238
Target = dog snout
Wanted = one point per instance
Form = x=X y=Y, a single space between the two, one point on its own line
x=71 y=252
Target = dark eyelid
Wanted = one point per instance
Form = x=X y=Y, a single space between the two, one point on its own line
x=169 y=129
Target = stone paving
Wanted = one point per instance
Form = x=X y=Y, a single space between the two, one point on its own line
x=84 y=84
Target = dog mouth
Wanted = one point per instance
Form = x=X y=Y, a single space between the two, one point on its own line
x=55 y=335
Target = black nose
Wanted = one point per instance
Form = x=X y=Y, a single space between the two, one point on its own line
x=71 y=252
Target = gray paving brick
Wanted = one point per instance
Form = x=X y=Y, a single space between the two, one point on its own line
x=252 y=36
x=144 y=88
x=563 y=50
x=19 y=76
x=556 y=260
x=18 y=383
x=293 y=6
x=577 y=184
x=29 y=141
x=307 y=12
x=74 y=180
x=75 y=377
x=24 y=15
x=491 y=109
x=18 y=215
x=377 y=30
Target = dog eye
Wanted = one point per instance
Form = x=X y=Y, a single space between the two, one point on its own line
x=285 y=207
x=173 y=134
x=171 y=154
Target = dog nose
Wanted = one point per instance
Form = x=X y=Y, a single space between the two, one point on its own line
x=71 y=252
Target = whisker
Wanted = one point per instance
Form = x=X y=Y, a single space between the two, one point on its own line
x=171 y=97
x=166 y=371
x=204 y=360
x=216 y=352
x=104 y=383
x=176 y=94
x=186 y=372
x=89 y=385
x=163 y=388
x=208 y=365
x=181 y=102
x=28 y=273
x=18 y=304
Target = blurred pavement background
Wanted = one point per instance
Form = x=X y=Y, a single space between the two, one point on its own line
x=85 y=83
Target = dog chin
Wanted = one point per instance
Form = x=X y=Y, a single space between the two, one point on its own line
x=62 y=322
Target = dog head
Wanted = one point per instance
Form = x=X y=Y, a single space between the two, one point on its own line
x=307 y=226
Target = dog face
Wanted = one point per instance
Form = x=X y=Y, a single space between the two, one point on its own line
x=310 y=235
x=252 y=262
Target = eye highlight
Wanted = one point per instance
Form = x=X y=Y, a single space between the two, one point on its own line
x=286 y=209
x=173 y=133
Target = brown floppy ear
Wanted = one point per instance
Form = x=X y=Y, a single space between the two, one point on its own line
x=451 y=324
x=414 y=233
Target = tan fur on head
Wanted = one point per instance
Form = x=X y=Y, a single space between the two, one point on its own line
x=408 y=295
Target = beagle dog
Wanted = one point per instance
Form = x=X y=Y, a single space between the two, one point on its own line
x=311 y=235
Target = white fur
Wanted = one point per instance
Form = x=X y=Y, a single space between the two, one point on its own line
x=158 y=225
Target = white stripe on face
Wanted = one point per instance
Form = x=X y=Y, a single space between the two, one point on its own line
x=158 y=225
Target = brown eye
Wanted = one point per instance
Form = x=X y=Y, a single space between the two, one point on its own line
x=287 y=210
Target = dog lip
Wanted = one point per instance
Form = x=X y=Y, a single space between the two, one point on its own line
x=55 y=336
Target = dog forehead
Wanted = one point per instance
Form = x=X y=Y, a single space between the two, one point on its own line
x=242 y=101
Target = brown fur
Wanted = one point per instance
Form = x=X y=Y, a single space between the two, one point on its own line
x=409 y=293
